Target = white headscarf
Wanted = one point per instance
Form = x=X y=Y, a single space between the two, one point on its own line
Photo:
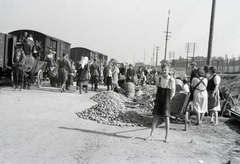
x=83 y=62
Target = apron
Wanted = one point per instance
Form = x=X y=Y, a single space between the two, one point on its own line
x=162 y=103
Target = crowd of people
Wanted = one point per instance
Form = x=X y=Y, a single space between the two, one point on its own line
x=203 y=85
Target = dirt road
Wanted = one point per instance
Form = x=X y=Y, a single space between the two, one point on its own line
x=40 y=126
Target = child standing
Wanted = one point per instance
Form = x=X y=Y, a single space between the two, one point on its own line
x=165 y=92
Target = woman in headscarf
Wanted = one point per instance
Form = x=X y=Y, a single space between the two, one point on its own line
x=83 y=73
x=200 y=95
x=213 y=94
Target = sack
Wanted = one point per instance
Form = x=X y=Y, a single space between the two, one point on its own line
x=212 y=101
x=129 y=89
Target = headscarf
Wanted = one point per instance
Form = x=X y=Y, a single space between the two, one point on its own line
x=83 y=62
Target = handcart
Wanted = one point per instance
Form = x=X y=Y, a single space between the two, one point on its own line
x=179 y=107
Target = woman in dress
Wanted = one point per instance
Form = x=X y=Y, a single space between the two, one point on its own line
x=83 y=74
x=165 y=92
x=213 y=94
x=200 y=95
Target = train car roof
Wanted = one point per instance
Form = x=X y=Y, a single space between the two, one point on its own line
x=87 y=49
x=39 y=33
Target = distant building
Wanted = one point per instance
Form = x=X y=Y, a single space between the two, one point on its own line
x=139 y=64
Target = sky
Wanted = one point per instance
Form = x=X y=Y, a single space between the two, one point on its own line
x=130 y=30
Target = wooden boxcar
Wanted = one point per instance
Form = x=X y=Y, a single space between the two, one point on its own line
x=7 y=43
x=59 y=46
x=77 y=53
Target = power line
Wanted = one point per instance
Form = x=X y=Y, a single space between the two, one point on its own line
x=187 y=16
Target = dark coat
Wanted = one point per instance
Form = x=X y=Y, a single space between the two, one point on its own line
x=83 y=73
x=130 y=75
x=64 y=63
x=95 y=69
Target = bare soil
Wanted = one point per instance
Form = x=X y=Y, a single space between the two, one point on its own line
x=41 y=126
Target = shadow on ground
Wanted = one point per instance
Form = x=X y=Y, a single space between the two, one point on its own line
x=115 y=134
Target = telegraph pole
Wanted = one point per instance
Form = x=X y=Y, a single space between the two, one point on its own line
x=157 y=56
x=193 y=51
x=187 y=57
x=153 y=54
x=144 y=56
x=209 y=55
x=166 y=37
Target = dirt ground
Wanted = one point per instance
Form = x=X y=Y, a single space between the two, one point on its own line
x=41 y=126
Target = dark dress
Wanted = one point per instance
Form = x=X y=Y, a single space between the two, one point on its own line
x=83 y=75
x=162 y=103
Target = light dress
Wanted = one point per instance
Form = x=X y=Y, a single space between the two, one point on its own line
x=200 y=95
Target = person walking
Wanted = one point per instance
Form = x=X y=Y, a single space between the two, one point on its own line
x=83 y=73
x=213 y=95
x=109 y=76
x=165 y=92
x=64 y=68
x=200 y=95
x=95 y=74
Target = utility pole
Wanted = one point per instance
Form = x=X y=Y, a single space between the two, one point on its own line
x=157 y=56
x=193 y=51
x=166 y=37
x=209 y=55
x=153 y=54
x=187 y=57
x=133 y=59
x=144 y=56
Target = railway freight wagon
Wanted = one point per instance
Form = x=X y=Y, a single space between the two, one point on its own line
x=77 y=53
x=7 y=43
x=46 y=41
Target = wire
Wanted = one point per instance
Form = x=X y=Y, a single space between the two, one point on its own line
x=188 y=16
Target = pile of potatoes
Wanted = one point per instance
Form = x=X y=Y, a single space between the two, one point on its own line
x=111 y=110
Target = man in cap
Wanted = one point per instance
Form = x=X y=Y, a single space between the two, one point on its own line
x=64 y=67
x=95 y=74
